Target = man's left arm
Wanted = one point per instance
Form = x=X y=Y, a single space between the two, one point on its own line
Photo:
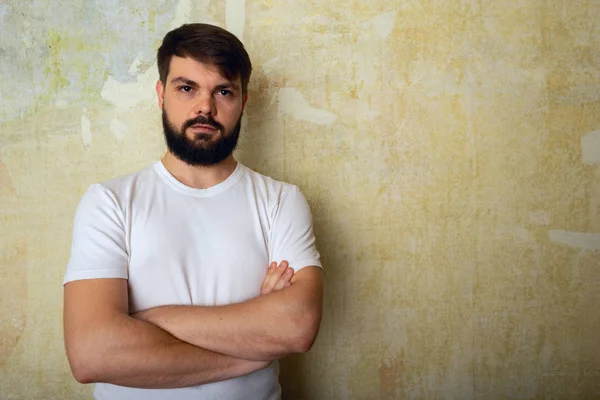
x=270 y=326
x=267 y=327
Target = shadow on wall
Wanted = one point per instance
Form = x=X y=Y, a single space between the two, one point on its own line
x=13 y=272
x=13 y=301
x=262 y=149
x=296 y=377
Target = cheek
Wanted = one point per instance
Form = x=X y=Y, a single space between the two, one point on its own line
x=175 y=115
x=233 y=113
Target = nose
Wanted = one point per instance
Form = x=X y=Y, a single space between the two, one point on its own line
x=205 y=104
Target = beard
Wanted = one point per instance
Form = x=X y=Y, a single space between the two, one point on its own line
x=203 y=149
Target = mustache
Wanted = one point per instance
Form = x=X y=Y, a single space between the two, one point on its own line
x=202 y=120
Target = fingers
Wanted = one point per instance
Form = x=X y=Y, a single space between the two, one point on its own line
x=285 y=279
x=273 y=276
x=278 y=277
x=265 y=285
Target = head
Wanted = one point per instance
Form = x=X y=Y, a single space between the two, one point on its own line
x=202 y=91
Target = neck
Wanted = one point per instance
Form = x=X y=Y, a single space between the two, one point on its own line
x=199 y=177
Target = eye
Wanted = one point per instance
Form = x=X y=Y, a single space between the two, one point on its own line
x=225 y=92
x=185 y=89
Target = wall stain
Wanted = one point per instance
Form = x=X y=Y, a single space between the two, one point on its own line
x=53 y=68
x=13 y=302
x=391 y=375
x=7 y=188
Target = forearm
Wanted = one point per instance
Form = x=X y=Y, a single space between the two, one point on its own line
x=135 y=353
x=265 y=328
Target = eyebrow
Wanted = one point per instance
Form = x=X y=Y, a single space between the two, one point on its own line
x=181 y=79
x=189 y=82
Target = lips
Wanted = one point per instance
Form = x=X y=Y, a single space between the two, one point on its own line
x=202 y=127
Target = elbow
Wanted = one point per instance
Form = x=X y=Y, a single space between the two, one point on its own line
x=82 y=364
x=82 y=371
x=83 y=375
x=306 y=333
x=304 y=344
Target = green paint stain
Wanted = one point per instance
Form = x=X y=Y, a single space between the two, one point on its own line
x=152 y=21
x=69 y=56
x=53 y=68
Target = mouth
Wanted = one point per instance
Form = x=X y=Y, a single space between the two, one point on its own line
x=204 y=128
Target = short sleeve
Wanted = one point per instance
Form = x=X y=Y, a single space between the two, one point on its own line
x=98 y=248
x=292 y=237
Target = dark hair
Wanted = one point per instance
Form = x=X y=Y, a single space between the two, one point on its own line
x=207 y=44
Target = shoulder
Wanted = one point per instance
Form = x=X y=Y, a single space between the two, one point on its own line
x=275 y=188
x=121 y=185
x=279 y=195
x=114 y=193
x=120 y=190
x=285 y=200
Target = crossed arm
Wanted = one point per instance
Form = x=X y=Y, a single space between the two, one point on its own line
x=264 y=328
x=208 y=344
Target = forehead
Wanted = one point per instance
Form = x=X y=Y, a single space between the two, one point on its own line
x=195 y=70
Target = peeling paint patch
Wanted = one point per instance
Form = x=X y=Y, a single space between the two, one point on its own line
x=293 y=103
x=182 y=14
x=382 y=25
x=590 y=148
x=135 y=67
x=86 y=129
x=118 y=128
x=585 y=241
x=235 y=17
x=127 y=95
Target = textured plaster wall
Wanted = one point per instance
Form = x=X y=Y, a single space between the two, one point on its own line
x=450 y=151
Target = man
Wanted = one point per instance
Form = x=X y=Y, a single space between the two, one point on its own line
x=180 y=282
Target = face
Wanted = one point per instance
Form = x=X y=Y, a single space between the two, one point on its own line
x=201 y=112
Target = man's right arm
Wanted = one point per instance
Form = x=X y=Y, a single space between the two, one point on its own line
x=104 y=344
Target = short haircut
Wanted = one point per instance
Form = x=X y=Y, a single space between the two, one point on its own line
x=207 y=44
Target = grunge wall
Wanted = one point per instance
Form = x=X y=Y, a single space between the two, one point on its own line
x=450 y=152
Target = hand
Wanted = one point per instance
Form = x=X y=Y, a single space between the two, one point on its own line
x=278 y=277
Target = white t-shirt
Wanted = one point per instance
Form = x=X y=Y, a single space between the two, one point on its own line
x=179 y=245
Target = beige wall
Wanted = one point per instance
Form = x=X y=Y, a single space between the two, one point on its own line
x=449 y=151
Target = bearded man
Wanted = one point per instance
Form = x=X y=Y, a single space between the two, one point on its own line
x=190 y=278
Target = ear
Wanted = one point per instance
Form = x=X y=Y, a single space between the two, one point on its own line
x=244 y=101
x=160 y=92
